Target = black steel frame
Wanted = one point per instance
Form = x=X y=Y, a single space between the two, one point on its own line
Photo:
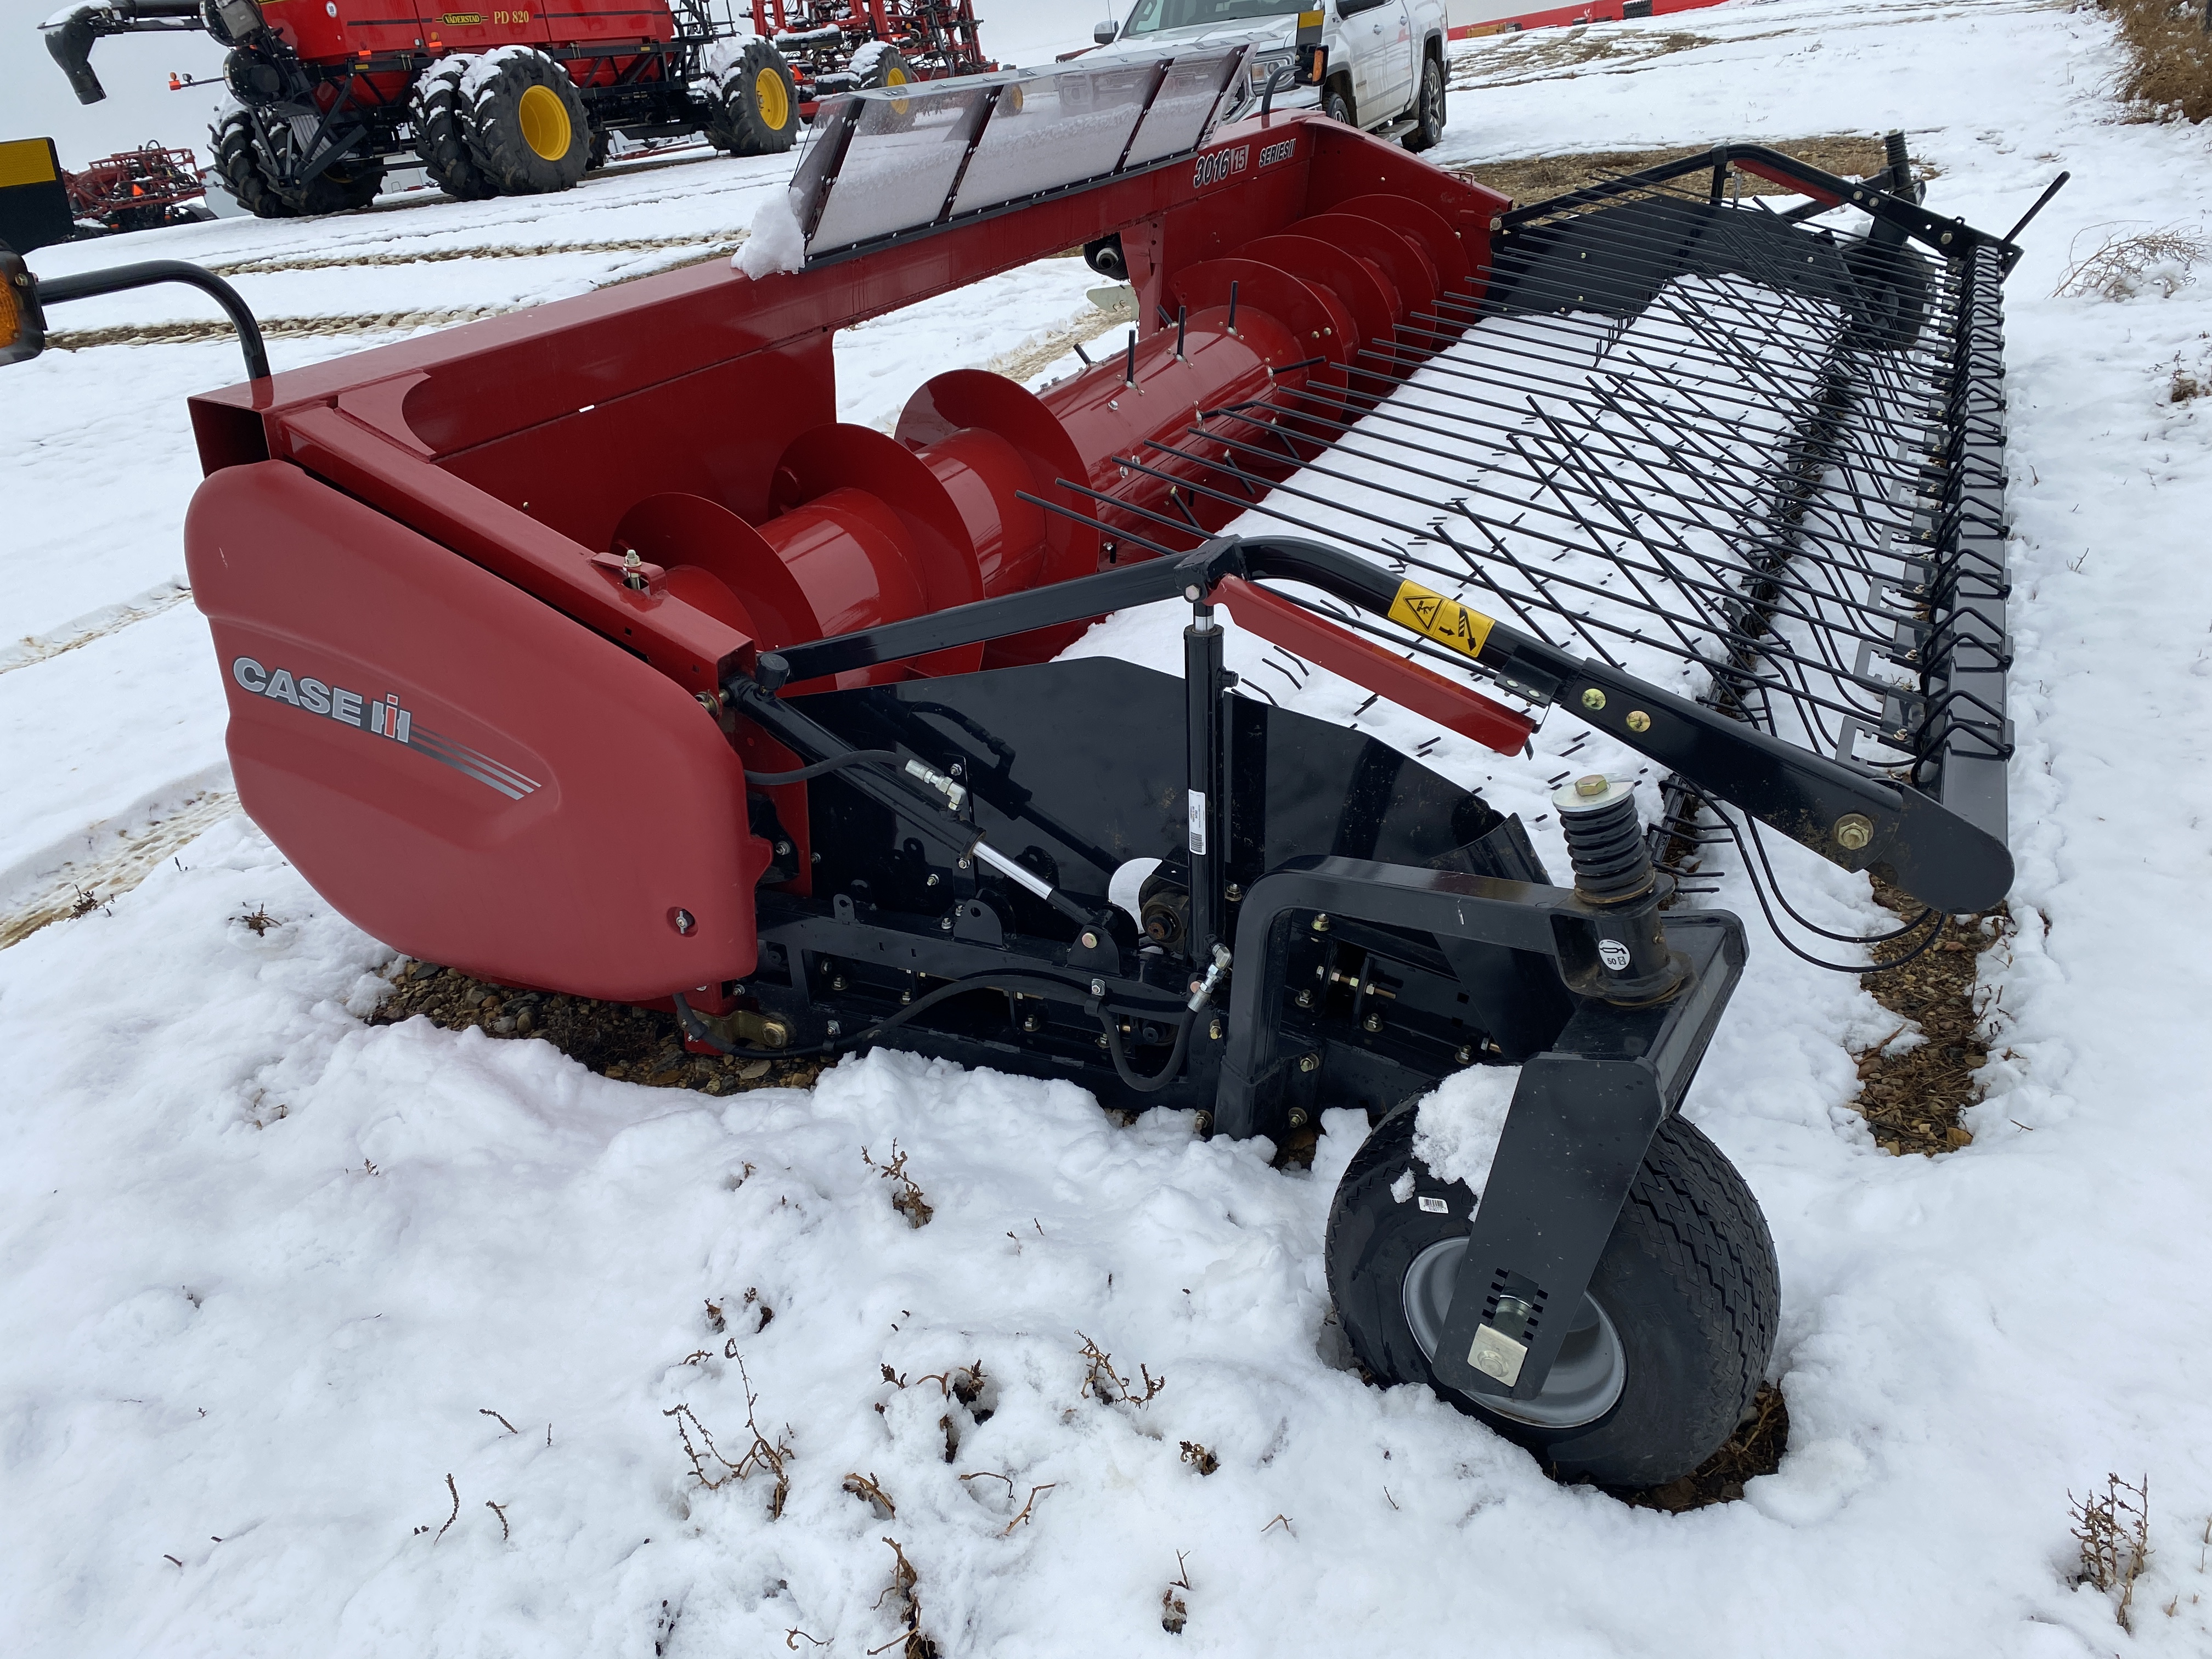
x=1386 y=944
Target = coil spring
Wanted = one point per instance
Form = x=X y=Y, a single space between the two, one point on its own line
x=1611 y=860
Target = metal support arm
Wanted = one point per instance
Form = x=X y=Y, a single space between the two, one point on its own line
x=52 y=290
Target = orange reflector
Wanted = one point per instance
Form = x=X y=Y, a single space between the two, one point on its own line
x=22 y=328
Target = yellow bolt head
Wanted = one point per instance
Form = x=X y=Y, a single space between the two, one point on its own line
x=1639 y=720
x=1593 y=698
x=1853 y=831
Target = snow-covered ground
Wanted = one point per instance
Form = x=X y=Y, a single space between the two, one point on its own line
x=265 y=1270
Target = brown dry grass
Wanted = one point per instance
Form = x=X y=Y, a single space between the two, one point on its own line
x=1912 y=1101
x=1535 y=177
x=2169 y=71
x=631 y=1045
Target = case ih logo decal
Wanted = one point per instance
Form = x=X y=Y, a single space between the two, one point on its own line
x=384 y=719
x=1222 y=164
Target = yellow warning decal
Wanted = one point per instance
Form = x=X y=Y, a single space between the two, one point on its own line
x=1445 y=620
x=26 y=161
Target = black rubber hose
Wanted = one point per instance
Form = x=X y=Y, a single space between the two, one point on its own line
x=851 y=758
x=1167 y=1074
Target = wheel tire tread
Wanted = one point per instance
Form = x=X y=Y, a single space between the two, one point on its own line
x=496 y=145
x=441 y=139
x=238 y=159
x=1688 y=1211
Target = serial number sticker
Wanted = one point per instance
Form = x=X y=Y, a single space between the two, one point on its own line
x=1271 y=154
x=1434 y=1205
x=1445 y=620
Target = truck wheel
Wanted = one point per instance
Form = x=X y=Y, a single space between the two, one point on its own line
x=528 y=133
x=760 y=103
x=1663 y=1356
x=1428 y=107
x=441 y=131
x=245 y=174
x=1336 y=103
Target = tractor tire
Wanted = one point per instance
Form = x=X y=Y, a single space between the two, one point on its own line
x=441 y=131
x=347 y=183
x=1428 y=107
x=528 y=133
x=889 y=70
x=1664 y=1356
x=759 y=104
x=244 y=169
x=1336 y=102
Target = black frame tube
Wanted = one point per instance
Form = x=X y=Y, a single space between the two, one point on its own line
x=147 y=273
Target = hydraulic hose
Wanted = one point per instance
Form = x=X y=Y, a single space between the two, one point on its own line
x=850 y=757
x=1166 y=1074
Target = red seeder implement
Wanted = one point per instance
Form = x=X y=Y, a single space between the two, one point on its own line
x=585 y=649
x=137 y=190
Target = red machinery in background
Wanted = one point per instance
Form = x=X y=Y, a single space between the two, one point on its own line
x=138 y=190
x=491 y=101
x=844 y=45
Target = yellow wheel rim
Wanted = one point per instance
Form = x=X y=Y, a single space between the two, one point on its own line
x=546 y=126
x=775 y=103
x=896 y=76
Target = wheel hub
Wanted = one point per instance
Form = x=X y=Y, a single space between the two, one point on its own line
x=1587 y=1377
x=768 y=94
x=546 y=126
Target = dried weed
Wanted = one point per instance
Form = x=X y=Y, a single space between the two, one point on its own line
x=2113 y=1530
x=867 y=1487
x=1200 y=1458
x=1104 y=1383
x=907 y=1200
x=762 y=1454
x=1175 y=1611
x=2123 y=266
x=906 y=1607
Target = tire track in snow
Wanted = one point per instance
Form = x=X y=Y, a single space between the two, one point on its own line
x=709 y=246
x=186 y=331
x=95 y=625
x=81 y=886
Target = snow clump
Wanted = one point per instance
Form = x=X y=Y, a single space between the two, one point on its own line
x=777 y=242
x=1457 y=1131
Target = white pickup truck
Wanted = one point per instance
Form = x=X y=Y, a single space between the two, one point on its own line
x=1386 y=57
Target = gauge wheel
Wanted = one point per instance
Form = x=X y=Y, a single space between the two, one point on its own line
x=527 y=130
x=1428 y=107
x=760 y=104
x=1659 y=1361
x=441 y=131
